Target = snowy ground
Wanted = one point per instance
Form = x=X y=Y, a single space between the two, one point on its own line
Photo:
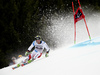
x=80 y=59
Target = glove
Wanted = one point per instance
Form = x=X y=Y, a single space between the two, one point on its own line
x=26 y=53
x=46 y=55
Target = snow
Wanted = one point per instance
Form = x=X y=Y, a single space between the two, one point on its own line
x=73 y=60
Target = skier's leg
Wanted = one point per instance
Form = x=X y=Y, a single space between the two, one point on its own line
x=36 y=55
x=40 y=55
x=31 y=56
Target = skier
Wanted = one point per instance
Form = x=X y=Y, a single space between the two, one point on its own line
x=19 y=61
x=39 y=45
x=13 y=61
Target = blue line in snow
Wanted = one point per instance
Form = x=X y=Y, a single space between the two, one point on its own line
x=93 y=42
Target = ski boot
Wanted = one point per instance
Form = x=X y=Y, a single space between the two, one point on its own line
x=18 y=65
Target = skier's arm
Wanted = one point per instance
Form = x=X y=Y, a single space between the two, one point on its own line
x=47 y=49
x=31 y=46
x=29 y=49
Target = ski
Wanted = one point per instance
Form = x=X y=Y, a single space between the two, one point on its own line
x=19 y=66
x=14 y=67
x=24 y=64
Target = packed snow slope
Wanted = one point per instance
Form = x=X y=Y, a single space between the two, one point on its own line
x=79 y=59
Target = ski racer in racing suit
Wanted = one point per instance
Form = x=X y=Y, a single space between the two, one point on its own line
x=39 y=47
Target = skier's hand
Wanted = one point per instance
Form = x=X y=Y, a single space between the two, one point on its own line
x=26 y=53
x=46 y=55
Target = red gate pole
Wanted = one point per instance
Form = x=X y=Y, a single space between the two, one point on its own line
x=79 y=3
x=74 y=24
x=74 y=33
x=87 y=29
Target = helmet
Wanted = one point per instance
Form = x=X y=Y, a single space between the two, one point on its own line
x=19 y=56
x=13 y=58
x=38 y=37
